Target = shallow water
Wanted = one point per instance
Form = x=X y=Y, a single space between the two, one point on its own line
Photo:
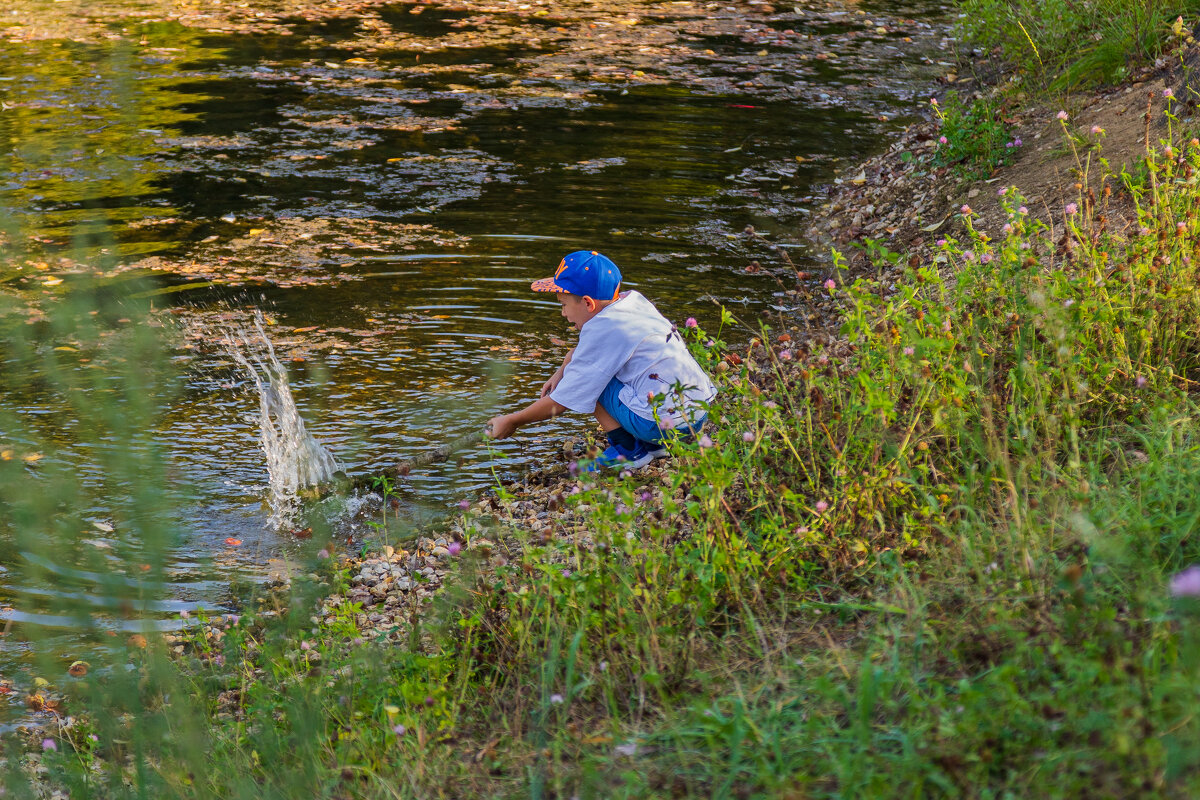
x=388 y=216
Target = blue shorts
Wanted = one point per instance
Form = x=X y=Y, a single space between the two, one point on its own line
x=645 y=429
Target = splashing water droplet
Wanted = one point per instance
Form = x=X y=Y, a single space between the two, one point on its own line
x=294 y=458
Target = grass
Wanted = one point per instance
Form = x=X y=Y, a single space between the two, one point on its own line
x=1063 y=44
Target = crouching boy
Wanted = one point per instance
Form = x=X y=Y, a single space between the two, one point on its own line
x=630 y=367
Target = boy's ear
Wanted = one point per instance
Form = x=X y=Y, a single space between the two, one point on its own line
x=589 y=302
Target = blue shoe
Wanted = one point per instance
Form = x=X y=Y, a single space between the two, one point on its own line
x=617 y=457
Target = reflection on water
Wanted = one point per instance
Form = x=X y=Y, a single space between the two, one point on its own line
x=387 y=215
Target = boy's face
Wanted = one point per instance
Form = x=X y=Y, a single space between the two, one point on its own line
x=574 y=308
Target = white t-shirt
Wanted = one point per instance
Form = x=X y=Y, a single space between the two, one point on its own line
x=631 y=341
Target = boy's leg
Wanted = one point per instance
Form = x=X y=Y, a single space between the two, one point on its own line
x=606 y=419
x=616 y=433
x=625 y=446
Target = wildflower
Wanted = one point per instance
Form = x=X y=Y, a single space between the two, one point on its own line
x=1009 y=146
x=184 y=614
x=1169 y=152
x=48 y=745
x=785 y=355
x=603 y=666
x=1017 y=142
x=93 y=737
x=710 y=343
x=966 y=209
x=1070 y=301
x=645 y=497
x=969 y=255
x=822 y=359
x=573 y=467
x=219 y=660
x=1144 y=231
x=322 y=553
x=556 y=699
x=1187 y=582
x=822 y=506
x=1000 y=192
x=1180 y=227
x=305 y=646
x=566 y=573
x=454 y=548
x=908 y=351
x=232 y=620
x=770 y=404
x=941 y=242
x=946 y=325
x=802 y=529
x=1141 y=381
x=1022 y=210
x=933 y=101
x=666 y=424
x=830 y=285
x=1072 y=209
x=986 y=258
x=706 y=441
x=358 y=641
x=1007 y=228
x=429 y=701
x=943 y=140
x=690 y=323
x=399 y=730
x=1097 y=130
x=1063 y=116
x=1168 y=93
x=626 y=474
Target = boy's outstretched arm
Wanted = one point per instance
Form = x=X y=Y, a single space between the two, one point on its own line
x=503 y=426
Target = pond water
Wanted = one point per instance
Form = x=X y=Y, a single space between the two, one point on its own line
x=387 y=213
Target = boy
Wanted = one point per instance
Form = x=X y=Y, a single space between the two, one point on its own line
x=630 y=368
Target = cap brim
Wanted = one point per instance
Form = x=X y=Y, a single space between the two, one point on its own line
x=546 y=285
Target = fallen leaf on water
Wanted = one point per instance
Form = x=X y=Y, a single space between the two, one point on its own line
x=232 y=542
x=29 y=458
x=136 y=640
x=52 y=282
x=102 y=526
x=78 y=668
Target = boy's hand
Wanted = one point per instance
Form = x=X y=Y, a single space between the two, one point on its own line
x=500 y=427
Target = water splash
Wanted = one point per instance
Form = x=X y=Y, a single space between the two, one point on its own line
x=295 y=459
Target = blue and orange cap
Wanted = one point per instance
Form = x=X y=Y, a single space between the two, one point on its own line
x=584 y=273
